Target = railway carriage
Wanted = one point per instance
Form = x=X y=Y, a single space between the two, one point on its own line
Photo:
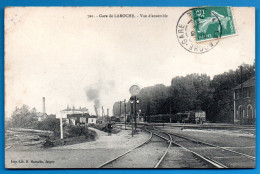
x=160 y=118
x=184 y=117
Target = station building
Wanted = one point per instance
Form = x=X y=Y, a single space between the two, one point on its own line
x=63 y=113
x=81 y=119
x=40 y=116
x=73 y=110
x=244 y=103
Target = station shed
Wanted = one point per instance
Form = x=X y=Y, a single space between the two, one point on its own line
x=244 y=103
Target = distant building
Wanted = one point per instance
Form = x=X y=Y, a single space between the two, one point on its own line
x=73 y=110
x=244 y=102
x=103 y=119
x=81 y=119
x=92 y=119
x=122 y=118
x=77 y=119
x=41 y=116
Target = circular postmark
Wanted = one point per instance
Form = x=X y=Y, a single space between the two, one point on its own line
x=187 y=31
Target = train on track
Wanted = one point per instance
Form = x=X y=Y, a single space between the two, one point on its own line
x=198 y=117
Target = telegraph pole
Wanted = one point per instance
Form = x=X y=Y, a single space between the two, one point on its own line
x=125 y=112
x=61 y=128
x=241 y=79
x=170 y=110
x=148 y=111
x=135 y=112
x=132 y=113
x=242 y=92
x=134 y=91
x=107 y=115
x=120 y=109
x=103 y=113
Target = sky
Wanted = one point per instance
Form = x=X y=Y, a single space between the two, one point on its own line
x=61 y=53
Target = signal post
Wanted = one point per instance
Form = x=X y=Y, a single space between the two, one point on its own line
x=134 y=91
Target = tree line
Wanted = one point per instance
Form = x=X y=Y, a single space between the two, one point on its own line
x=24 y=117
x=192 y=92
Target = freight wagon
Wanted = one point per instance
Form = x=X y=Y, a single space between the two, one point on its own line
x=185 y=117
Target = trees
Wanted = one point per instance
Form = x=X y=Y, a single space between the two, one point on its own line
x=221 y=106
x=23 y=117
x=194 y=92
x=50 y=124
x=153 y=99
x=191 y=92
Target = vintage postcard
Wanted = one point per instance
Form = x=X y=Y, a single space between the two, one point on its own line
x=130 y=87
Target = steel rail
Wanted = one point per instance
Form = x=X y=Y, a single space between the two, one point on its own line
x=209 y=144
x=208 y=160
x=119 y=156
x=207 y=126
x=170 y=144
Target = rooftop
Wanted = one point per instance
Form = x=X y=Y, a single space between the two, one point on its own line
x=74 y=109
x=248 y=83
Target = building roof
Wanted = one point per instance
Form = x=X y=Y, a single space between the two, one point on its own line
x=73 y=109
x=248 y=83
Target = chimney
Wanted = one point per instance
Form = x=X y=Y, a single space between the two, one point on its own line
x=96 y=111
x=43 y=105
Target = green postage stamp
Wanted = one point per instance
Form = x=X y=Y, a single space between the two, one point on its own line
x=213 y=23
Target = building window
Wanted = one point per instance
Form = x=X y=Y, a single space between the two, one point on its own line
x=240 y=93
x=245 y=92
x=240 y=112
x=237 y=94
x=249 y=92
x=249 y=111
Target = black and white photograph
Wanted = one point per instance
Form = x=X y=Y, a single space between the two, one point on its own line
x=129 y=87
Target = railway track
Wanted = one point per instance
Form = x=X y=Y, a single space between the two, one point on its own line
x=205 y=126
x=200 y=126
x=212 y=145
x=152 y=134
x=166 y=151
x=197 y=159
x=196 y=154
x=213 y=154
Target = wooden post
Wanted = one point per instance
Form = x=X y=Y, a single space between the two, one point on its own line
x=61 y=128
x=125 y=112
x=234 y=107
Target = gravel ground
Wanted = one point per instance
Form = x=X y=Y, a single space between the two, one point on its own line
x=83 y=155
x=231 y=139
x=146 y=156
x=123 y=139
x=25 y=139
x=93 y=154
x=177 y=157
x=224 y=138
